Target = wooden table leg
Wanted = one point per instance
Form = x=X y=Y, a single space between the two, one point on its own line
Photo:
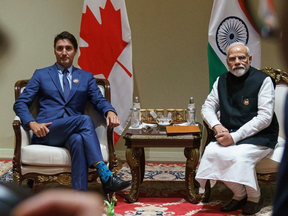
x=133 y=157
x=192 y=157
x=142 y=164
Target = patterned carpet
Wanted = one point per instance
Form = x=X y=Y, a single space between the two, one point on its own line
x=6 y=171
x=163 y=193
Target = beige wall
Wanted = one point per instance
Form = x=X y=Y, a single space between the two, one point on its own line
x=169 y=51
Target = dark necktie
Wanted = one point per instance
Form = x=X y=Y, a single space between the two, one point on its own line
x=66 y=85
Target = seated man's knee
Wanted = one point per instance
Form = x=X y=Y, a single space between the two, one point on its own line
x=211 y=150
x=86 y=117
x=74 y=142
x=86 y=120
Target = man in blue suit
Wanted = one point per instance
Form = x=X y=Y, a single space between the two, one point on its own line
x=63 y=91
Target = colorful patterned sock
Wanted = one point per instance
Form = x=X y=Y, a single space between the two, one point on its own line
x=103 y=171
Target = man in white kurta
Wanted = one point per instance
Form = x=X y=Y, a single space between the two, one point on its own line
x=245 y=133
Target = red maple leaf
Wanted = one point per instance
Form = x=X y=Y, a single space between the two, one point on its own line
x=105 y=42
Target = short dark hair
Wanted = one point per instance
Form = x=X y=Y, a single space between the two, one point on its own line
x=66 y=35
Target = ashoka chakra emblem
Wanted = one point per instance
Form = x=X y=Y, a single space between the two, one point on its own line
x=231 y=29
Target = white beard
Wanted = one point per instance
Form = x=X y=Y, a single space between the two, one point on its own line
x=238 y=72
x=241 y=71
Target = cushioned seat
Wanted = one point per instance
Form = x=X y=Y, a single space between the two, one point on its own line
x=270 y=163
x=45 y=164
x=267 y=167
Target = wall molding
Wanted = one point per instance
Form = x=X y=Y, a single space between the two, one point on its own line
x=6 y=153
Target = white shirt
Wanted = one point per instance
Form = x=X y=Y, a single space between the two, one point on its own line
x=266 y=104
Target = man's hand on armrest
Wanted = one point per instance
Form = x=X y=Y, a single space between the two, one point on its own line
x=223 y=136
x=112 y=119
x=39 y=129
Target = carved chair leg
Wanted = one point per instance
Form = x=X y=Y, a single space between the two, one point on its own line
x=196 y=184
x=37 y=187
x=207 y=191
x=114 y=199
x=30 y=183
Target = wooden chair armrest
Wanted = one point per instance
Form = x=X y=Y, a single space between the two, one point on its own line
x=22 y=139
x=200 y=127
x=112 y=155
x=210 y=134
x=18 y=143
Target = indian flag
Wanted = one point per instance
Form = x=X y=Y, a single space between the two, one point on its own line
x=229 y=23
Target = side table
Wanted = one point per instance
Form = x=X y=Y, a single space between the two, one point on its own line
x=137 y=139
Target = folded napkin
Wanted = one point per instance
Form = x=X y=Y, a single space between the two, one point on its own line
x=144 y=125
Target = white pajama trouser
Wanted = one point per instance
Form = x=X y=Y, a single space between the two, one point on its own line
x=232 y=164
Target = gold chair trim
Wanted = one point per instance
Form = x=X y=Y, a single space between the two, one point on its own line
x=277 y=74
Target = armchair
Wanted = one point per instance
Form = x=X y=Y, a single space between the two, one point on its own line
x=266 y=168
x=45 y=164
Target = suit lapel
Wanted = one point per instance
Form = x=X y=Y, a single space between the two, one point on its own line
x=55 y=78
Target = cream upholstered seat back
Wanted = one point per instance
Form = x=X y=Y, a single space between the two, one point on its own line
x=98 y=120
x=100 y=126
x=57 y=157
x=280 y=95
x=46 y=163
x=270 y=163
x=266 y=168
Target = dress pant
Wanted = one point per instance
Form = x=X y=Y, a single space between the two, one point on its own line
x=77 y=134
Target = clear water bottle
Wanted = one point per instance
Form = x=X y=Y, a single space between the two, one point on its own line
x=136 y=105
x=191 y=103
x=191 y=112
x=191 y=116
x=135 y=120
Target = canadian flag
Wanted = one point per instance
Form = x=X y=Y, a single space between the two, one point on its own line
x=106 y=51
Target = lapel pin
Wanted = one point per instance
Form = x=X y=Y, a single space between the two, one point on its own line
x=246 y=102
x=76 y=81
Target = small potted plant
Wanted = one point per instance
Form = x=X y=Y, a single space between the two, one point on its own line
x=110 y=207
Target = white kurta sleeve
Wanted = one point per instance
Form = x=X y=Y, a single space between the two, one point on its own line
x=211 y=107
x=266 y=104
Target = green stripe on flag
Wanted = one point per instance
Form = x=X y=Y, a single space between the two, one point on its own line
x=216 y=67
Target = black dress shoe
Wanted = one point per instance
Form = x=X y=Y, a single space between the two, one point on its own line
x=114 y=184
x=251 y=208
x=233 y=205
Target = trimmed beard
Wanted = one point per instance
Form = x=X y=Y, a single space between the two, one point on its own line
x=241 y=71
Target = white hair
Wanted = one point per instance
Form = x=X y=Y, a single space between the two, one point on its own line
x=238 y=43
